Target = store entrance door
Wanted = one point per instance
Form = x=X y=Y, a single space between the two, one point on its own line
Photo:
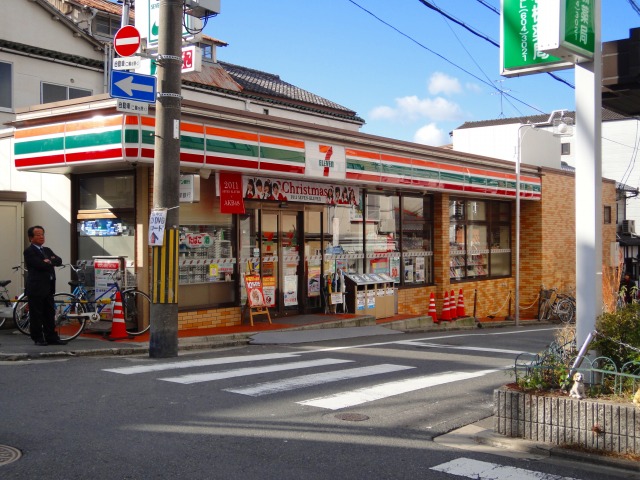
x=280 y=260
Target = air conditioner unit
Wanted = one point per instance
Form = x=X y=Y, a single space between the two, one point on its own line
x=628 y=226
x=202 y=8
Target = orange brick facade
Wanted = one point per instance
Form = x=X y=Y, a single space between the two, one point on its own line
x=547 y=259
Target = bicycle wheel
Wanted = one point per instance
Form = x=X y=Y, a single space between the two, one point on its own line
x=68 y=326
x=136 y=306
x=21 y=314
x=565 y=310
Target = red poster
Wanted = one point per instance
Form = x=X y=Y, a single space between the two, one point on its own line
x=254 y=290
x=231 y=200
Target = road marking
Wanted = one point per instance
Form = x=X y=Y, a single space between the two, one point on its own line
x=158 y=367
x=466 y=467
x=303 y=381
x=458 y=347
x=241 y=372
x=384 y=390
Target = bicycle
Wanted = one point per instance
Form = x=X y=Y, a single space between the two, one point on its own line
x=134 y=302
x=74 y=310
x=556 y=306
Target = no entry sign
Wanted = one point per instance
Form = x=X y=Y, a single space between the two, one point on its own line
x=126 y=41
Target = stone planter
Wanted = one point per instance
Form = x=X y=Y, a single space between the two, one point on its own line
x=601 y=425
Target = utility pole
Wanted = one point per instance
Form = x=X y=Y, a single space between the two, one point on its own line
x=166 y=182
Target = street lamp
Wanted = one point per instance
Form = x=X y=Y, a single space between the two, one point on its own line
x=562 y=126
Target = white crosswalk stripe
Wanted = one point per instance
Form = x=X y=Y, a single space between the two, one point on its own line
x=390 y=389
x=241 y=372
x=158 y=367
x=303 y=381
x=455 y=347
x=478 y=470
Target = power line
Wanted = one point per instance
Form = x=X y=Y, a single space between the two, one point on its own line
x=441 y=56
x=635 y=6
x=483 y=36
x=459 y=22
x=490 y=7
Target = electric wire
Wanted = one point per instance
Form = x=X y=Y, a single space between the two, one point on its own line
x=490 y=84
x=635 y=6
x=500 y=91
x=490 y=7
x=484 y=37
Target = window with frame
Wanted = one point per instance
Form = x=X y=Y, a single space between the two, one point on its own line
x=479 y=239
x=6 y=86
x=52 y=92
x=416 y=239
x=107 y=26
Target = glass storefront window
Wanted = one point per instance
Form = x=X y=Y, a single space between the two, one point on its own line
x=105 y=220
x=417 y=238
x=207 y=260
x=479 y=239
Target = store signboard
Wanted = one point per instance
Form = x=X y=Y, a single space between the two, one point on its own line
x=231 y=187
x=567 y=29
x=285 y=190
x=189 y=188
x=324 y=161
x=520 y=51
x=255 y=295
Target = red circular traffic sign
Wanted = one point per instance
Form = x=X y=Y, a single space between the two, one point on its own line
x=126 y=41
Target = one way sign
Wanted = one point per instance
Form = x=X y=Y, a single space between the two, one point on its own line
x=133 y=86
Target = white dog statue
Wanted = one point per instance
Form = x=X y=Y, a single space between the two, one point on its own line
x=577 y=390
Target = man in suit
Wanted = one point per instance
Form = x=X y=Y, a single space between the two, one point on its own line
x=40 y=287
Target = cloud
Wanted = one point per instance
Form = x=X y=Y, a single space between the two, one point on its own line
x=441 y=83
x=430 y=134
x=412 y=108
x=473 y=87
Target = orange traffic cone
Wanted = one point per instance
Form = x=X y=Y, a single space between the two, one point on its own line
x=452 y=306
x=461 y=312
x=118 y=327
x=446 y=313
x=432 y=308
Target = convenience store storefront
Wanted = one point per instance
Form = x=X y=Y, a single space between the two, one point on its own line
x=308 y=201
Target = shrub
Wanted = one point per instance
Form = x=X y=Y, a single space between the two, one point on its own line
x=616 y=330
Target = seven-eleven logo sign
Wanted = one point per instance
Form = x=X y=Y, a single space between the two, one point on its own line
x=325 y=161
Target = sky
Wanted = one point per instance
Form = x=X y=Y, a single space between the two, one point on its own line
x=410 y=73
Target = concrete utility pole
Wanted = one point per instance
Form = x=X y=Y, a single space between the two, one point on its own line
x=166 y=182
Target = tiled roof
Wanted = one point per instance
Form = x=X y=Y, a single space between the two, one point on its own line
x=54 y=54
x=104 y=6
x=606 y=116
x=263 y=83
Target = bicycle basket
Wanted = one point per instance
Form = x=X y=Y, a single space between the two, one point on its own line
x=546 y=294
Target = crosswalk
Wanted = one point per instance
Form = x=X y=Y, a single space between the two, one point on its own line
x=280 y=365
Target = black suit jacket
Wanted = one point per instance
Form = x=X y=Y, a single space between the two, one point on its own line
x=41 y=276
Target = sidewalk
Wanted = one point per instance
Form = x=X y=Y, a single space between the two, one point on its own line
x=295 y=329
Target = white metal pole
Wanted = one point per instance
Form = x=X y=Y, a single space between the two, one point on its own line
x=589 y=187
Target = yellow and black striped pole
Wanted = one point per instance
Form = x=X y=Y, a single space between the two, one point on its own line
x=165 y=269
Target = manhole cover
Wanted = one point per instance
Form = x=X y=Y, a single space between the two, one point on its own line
x=352 y=417
x=8 y=454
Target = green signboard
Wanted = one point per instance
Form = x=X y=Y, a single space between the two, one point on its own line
x=520 y=53
x=579 y=27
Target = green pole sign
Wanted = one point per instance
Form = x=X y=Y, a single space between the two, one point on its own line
x=519 y=40
x=579 y=27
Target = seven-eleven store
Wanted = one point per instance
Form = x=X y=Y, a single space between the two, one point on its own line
x=289 y=200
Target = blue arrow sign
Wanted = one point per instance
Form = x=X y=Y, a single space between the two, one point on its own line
x=133 y=86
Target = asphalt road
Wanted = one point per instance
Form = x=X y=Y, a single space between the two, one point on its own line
x=358 y=408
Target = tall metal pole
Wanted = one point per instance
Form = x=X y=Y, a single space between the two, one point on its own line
x=589 y=187
x=166 y=182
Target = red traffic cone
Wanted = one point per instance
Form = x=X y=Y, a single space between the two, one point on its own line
x=446 y=313
x=460 y=309
x=452 y=306
x=432 y=308
x=118 y=327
